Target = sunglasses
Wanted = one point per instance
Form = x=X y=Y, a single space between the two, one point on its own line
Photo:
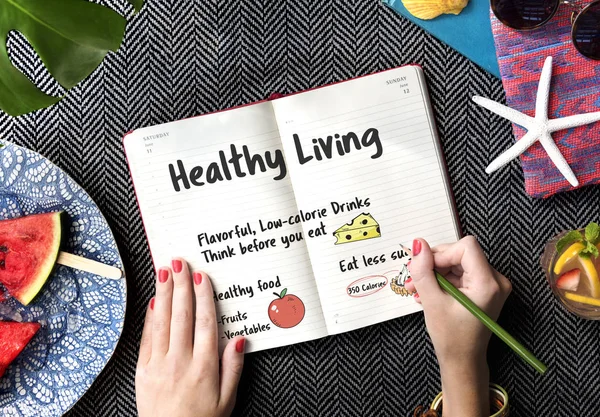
x=531 y=14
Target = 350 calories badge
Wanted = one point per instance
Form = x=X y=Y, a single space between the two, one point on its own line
x=367 y=285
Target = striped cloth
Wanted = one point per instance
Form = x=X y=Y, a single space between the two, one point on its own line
x=575 y=89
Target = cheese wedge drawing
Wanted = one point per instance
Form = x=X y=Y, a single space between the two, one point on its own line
x=362 y=227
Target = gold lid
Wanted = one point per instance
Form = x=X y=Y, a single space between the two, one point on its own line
x=498 y=402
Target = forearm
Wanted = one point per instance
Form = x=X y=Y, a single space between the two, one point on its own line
x=465 y=387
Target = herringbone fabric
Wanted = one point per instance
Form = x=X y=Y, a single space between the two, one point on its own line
x=190 y=57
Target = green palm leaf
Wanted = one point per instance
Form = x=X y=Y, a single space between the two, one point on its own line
x=72 y=37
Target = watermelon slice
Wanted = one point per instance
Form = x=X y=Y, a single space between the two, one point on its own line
x=13 y=339
x=28 y=250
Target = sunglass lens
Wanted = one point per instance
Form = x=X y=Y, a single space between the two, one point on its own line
x=524 y=14
x=586 y=31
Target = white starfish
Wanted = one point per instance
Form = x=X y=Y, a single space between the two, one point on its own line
x=538 y=127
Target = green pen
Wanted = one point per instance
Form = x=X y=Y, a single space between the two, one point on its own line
x=513 y=343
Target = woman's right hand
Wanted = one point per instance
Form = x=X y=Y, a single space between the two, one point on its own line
x=459 y=338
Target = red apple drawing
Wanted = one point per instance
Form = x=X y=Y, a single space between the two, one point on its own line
x=286 y=310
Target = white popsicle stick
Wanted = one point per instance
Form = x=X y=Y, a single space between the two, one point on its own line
x=88 y=265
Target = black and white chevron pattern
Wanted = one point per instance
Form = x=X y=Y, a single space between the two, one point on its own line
x=190 y=57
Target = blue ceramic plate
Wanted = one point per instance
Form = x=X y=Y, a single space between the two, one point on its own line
x=81 y=313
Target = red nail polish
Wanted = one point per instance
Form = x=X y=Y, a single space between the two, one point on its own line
x=416 y=248
x=163 y=275
x=152 y=304
x=408 y=280
x=416 y=295
x=239 y=346
x=408 y=263
x=177 y=265
x=197 y=278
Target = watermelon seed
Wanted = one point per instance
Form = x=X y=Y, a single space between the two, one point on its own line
x=3 y=248
x=2 y=264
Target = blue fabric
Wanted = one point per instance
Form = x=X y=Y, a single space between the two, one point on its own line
x=470 y=32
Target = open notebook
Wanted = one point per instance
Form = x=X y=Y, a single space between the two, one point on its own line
x=300 y=209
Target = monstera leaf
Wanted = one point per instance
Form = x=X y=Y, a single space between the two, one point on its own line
x=72 y=37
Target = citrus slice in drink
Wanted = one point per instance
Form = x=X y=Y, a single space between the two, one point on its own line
x=569 y=254
x=592 y=274
x=582 y=299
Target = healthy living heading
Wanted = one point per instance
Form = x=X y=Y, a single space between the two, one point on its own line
x=242 y=163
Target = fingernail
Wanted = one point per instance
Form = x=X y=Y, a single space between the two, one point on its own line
x=416 y=295
x=408 y=280
x=239 y=346
x=163 y=275
x=197 y=278
x=177 y=265
x=152 y=304
x=408 y=264
x=416 y=248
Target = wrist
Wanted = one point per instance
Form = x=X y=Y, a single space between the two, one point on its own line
x=465 y=387
x=463 y=359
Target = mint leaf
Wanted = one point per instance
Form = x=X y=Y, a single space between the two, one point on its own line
x=592 y=232
x=568 y=239
x=589 y=250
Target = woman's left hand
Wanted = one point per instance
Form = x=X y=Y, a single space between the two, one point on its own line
x=178 y=372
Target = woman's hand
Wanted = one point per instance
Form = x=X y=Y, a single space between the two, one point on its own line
x=459 y=338
x=178 y=372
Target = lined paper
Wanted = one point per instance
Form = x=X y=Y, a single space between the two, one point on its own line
x=405 y=187
x=175 y=219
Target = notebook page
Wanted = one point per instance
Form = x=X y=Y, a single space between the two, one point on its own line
x=376 y=199
x=201 y=200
